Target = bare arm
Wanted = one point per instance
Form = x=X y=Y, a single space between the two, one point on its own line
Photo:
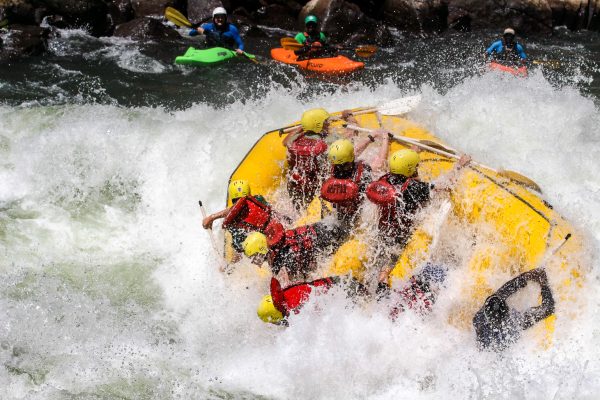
x=447 y=181
x=208 y=221
x=292 y=137
x=378 y=163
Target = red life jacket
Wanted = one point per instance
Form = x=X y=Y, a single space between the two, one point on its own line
x=249 y=214
x=386 y=195
x=293 y=297
x=300 y=242
x=302 y=158
x=344 y=193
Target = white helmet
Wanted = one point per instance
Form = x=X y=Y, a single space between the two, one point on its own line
x=509 y=31
x=219 y=11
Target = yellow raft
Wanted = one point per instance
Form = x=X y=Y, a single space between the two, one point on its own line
x=510 y=227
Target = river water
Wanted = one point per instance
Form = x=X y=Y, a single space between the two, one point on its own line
x=108 y=286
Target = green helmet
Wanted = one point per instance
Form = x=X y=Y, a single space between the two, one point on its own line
x=310 y=18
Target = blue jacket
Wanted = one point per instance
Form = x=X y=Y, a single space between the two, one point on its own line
x=229 y=38
x=498 y=48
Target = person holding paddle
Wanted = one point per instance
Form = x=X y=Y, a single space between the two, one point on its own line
x=315 y=43
x=507 y=50
x=399 y=195
x=220 y=33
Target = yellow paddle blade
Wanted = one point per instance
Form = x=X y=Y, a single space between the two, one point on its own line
x=177 y=18
x=520 y=179
x=290 y=44
x=366 y=51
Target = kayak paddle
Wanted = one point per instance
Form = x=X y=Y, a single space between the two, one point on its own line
x=177 y=18
x=364 y=51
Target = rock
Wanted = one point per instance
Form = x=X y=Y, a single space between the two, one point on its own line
x=120 y=11
x=573 y=14
x=201 y=10
x=146 y=28
x=417 y=15
x=23 y=40
x=142 y=8
x=276 y=15
x=343 y=21
x=523 y=15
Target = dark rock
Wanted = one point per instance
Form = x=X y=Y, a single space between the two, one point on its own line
x=344 y=22
x=142 y=8
x=145 y=28
x=417 y=15
x=23 y=40
x=276 y=15
x=21 y=12
x=523 y=15
x=201 y=10
x=120 y=11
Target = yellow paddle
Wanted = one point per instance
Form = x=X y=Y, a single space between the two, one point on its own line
x=442 y=150
x=177 y=18
x=364 y=51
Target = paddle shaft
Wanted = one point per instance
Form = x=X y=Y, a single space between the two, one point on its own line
x=222 y=263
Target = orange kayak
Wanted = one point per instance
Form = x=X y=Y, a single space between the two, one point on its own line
x=516 y=71
x=338 y=65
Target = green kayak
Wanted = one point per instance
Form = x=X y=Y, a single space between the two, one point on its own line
x=207 y=56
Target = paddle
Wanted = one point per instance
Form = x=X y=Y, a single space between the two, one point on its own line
x=180 y=20
x=396 y=107
x=548 y=63
x=221 y=260
x=364 y=51
x=440 y=149
x=177 y=18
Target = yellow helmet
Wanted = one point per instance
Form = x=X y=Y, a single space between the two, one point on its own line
x=313 y=120
x=404 y=162
x=255 y=243
x=341 y=152
x=267 y=311
x=239 y=188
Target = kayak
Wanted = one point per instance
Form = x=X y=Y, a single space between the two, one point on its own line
x=516 y=71
x=210 y=56
x=338 y=65
x=508 y=227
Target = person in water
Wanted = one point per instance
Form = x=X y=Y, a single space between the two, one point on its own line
x=506 y=50
x=315 y=43
x=398 y=195
x=348 y=180
x=292 y=254
x=497 y=326
x=220 y=33
x=248 y=213
x=306 y=155
x=281 y=303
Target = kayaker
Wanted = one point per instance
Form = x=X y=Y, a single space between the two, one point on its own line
x=306 y=158
x=292 y=254
x=346 y=186
x=497 y=326
x=248 y=213
x=399 y=194
x=220 y=33
x=315 y=42
x=506 y=50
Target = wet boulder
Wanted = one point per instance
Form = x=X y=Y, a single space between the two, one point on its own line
x=142 y=8
x=201 y=10
x=417 y=15
x=120 y=11
x=146 y=28
x=23 y=40
x=522 y=15
x=343 y=21
x=574 y=14
x=276 y=15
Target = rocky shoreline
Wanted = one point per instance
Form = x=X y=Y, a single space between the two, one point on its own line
x=29 y=23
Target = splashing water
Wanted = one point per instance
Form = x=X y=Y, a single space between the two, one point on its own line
x=109 y=288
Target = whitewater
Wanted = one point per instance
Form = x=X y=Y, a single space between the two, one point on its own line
x=109 y=287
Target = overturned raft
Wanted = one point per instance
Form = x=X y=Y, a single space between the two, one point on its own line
x=511 y=228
